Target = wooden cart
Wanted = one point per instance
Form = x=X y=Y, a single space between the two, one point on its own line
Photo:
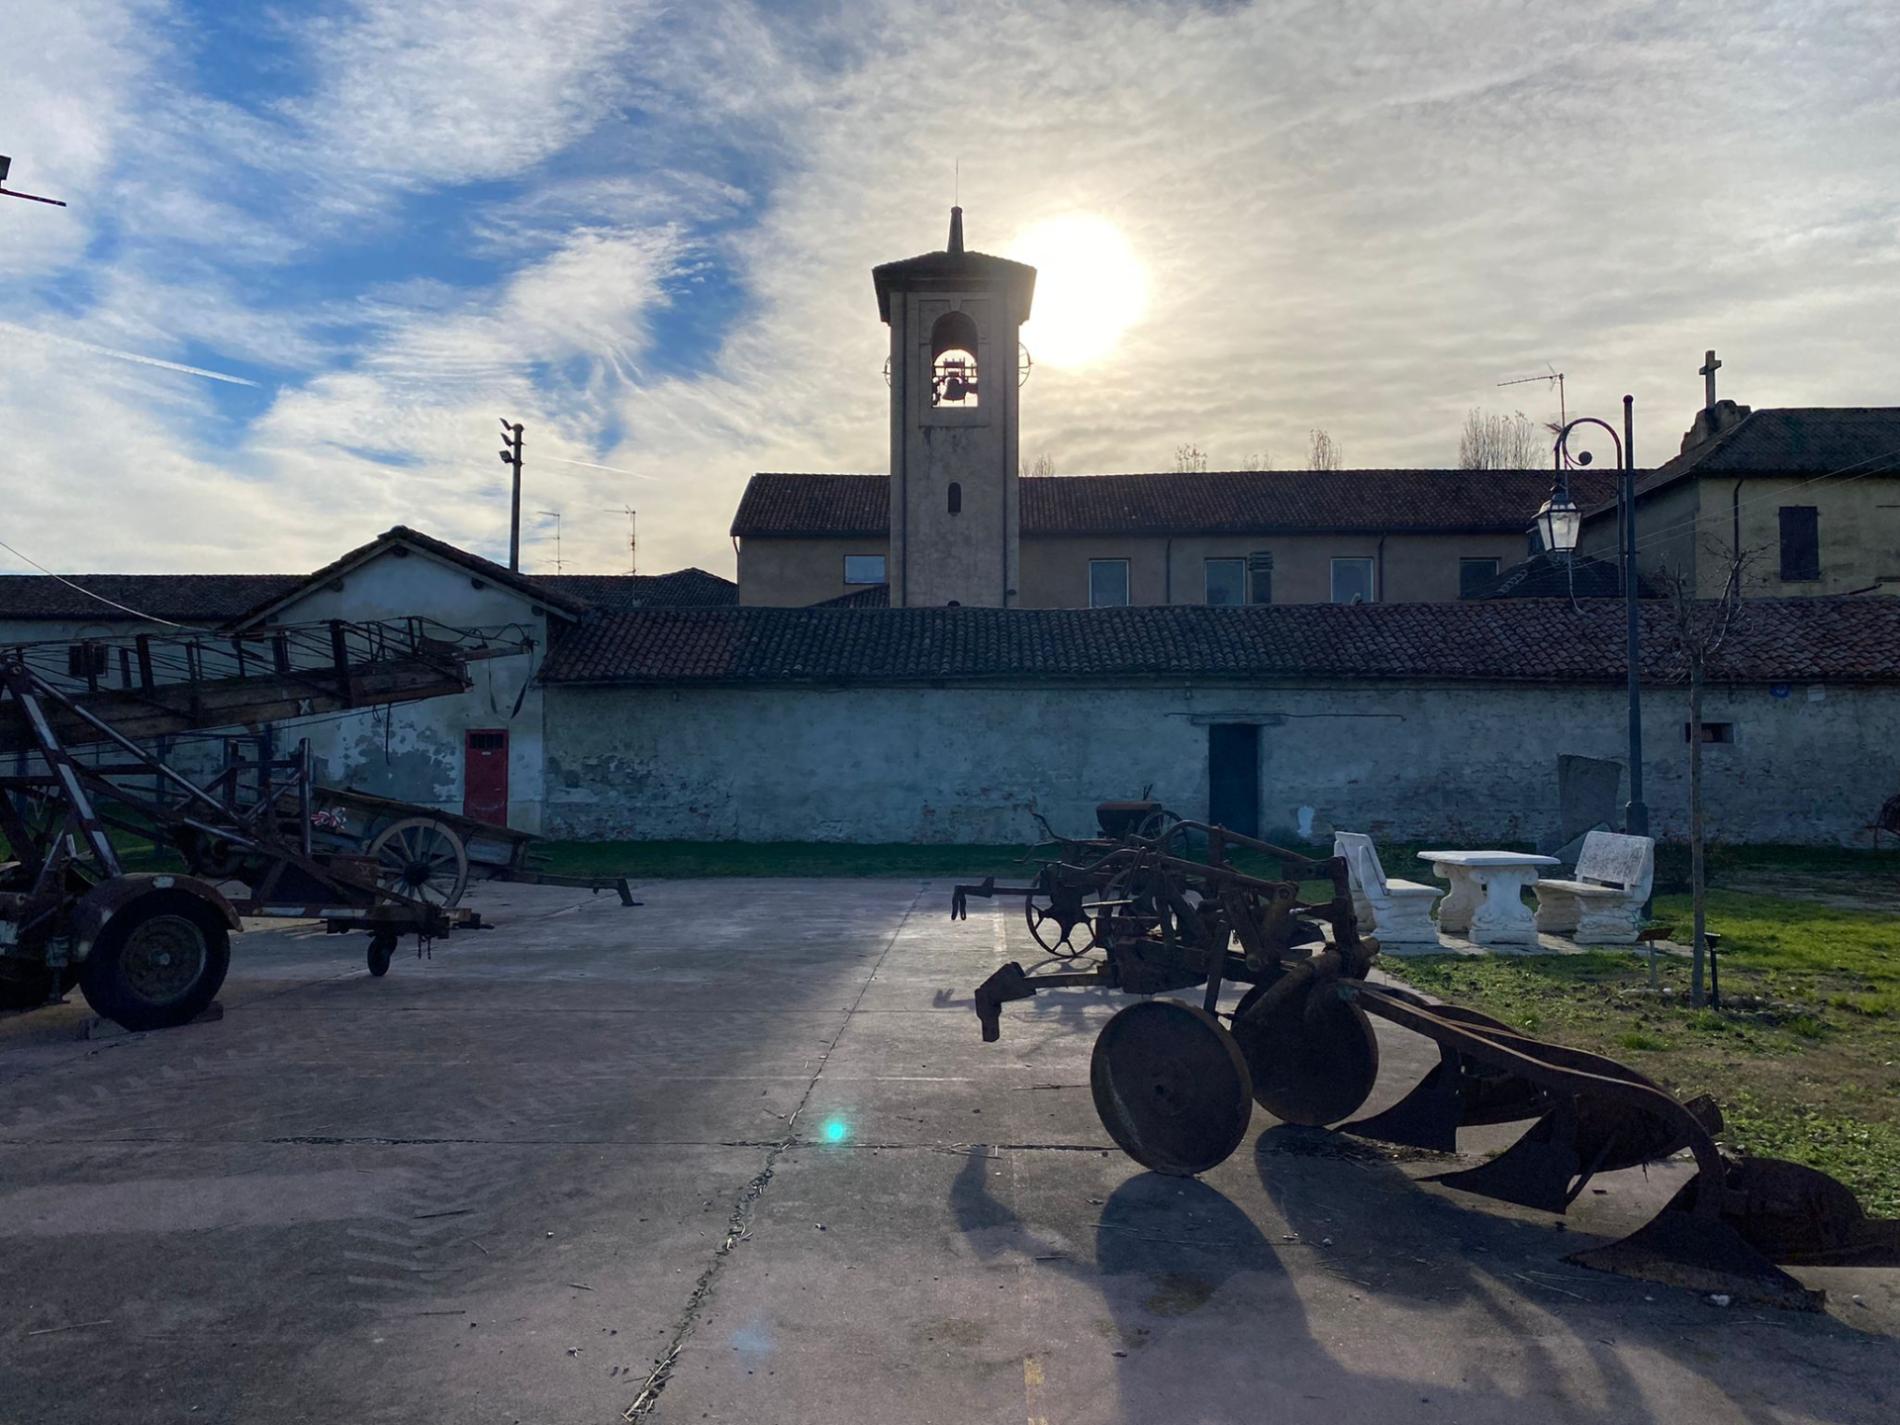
x=434 y=854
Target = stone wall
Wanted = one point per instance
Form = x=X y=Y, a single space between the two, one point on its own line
x=1462 y=764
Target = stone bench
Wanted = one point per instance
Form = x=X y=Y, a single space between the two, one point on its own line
x=1603 y=905
x=1397 y=912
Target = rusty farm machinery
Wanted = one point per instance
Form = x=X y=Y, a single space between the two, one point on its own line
x=1155 y=905
x=151 y=949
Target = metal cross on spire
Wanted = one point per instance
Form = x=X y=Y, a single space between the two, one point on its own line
x=1708 y=369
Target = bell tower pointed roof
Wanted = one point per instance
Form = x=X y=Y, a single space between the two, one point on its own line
x=957 y=269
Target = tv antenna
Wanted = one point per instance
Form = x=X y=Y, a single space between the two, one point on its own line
x=633 y=539
x=5 y=165
x=555 y=515
x=1551 y=374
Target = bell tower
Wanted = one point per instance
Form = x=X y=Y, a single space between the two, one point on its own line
x=955 y=526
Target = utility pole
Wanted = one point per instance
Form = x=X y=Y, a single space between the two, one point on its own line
x=511 y=456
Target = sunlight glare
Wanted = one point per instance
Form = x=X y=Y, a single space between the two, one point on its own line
x=1090 y=288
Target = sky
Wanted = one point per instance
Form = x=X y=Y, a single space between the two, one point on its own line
x=645 y=230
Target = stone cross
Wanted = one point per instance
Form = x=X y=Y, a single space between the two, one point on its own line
x=1709 y=367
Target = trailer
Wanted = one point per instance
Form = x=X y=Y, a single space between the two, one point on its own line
x=150 y=949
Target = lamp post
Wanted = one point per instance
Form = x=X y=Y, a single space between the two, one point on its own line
x=1551 y=523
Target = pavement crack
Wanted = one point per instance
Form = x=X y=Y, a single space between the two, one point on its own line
x=739 y=1224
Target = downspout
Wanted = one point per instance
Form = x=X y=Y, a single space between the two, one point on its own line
x=1167 y=571
x=1378 y=589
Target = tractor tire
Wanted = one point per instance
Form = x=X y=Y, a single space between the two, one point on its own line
x=159 y=962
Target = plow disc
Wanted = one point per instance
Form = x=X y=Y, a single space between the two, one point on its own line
x=1156 y=897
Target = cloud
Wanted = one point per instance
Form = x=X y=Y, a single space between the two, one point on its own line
x=646 y=231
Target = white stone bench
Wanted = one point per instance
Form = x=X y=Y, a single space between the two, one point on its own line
x=1397 y=912
x=1604 y=904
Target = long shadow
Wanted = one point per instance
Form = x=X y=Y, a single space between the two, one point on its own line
x=1208 y=1325
x=1398 y=1241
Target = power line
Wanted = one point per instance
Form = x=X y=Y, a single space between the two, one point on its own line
x=113 y=603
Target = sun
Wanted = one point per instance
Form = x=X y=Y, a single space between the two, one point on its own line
x=1090 y=288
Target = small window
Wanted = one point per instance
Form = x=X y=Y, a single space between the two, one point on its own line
x=1352 y=581
x=864 y=568
x=1225 y=580
x=1108 y=583
x=1800 y=542
x=953 y=361
x=1260 y=577
x=956 y=497
x=85 y=660
x=1712 y=731
x=1474 y=575
x=487 y=740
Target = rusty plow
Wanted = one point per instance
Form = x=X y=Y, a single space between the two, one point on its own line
x=1156 y=905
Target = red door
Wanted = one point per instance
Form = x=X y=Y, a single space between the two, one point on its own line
x=485 y=776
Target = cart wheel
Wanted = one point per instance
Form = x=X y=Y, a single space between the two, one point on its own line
x=382 y=946
x=159 y=961
x=1171 y=1087
x=1306 y=1070
x=421 y=857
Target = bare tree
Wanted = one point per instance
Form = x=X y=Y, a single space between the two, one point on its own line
x=1498 y=442
x=1189 y=459
x=1043 y=464
x=1324 y=454
x=1699 y=628
x=1256 y=460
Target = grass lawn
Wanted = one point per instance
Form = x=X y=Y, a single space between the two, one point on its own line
x=1804 y=1057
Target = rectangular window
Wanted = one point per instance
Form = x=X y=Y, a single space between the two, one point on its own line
x=1225 y=580
x=1108 y=583
x=1352 y=581
x=85 y=660
x=1474 y=574
x=864 y=568
x=1712 y=732
x=1260 y=577
x=1800 y=542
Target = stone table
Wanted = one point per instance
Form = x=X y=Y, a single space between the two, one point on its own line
x=1486 y=899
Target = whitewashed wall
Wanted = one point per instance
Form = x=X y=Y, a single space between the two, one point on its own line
x=1462 y=764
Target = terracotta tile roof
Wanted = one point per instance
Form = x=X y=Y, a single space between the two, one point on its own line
x=184 y=598
x=1222 y=502
x=1510 y=640
x=683 y=588
x=1850 y=442
x=1800 y=440
x=216 y=599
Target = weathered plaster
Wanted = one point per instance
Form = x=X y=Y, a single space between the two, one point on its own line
x=1461 y=764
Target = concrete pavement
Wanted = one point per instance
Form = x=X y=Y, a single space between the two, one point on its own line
x=739 y=1155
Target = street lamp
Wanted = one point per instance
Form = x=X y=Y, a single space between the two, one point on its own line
x=1558 y=519
x=1636 y=813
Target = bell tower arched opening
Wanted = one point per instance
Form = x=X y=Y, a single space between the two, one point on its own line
x=953 y=343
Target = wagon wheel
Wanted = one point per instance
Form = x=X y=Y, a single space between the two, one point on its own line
x=421 y=857
x=1171 y=1086
x=1307 y=1068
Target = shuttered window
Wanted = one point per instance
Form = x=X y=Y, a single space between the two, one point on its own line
x=1800 y=542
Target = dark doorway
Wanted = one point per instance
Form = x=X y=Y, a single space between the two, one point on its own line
x=485 y=776
x=1233 y=776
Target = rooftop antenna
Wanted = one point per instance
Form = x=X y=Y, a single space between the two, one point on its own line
x=633 y=543
x=1563 y=412
x=555 y=515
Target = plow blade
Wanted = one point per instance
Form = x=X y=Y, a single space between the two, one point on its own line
x=1704 y=1254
